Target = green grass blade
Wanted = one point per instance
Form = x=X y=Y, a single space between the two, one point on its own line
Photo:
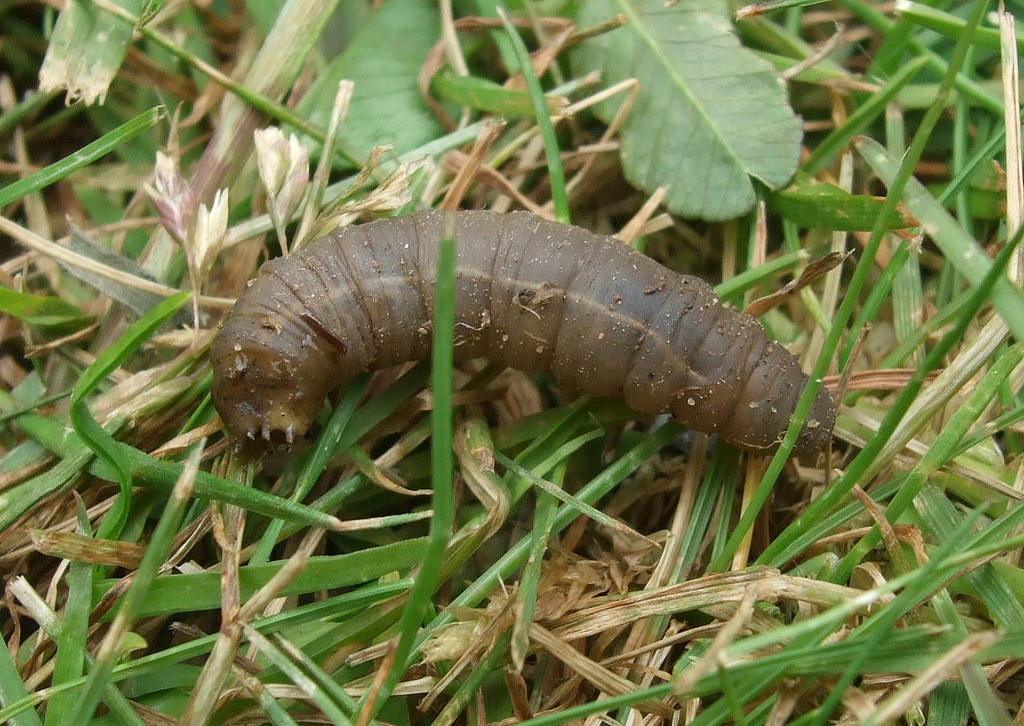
x=156 y=552
x=959 y=247
x=322 y=691
x=859 y=120
x=72 y=638
x=201 y=590
x=81 y=158
x=556 y=173
x=102 y=444
x=945 y=444
x=855 y=471
x=12 y=689
x=325 y=447
x=441 y=462
x=843 y=315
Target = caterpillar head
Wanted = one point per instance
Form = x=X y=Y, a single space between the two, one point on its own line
x=267 y=388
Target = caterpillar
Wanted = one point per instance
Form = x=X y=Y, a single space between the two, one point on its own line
x=531 y=294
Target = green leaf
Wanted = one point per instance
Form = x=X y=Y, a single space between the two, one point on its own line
x=46 y=312
x=709 y=115
x=386 y=105
x=808 y=203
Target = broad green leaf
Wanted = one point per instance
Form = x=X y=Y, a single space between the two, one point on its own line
x=383 y=60
x=709 y=116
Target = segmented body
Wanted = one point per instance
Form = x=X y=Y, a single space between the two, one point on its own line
x=531 y=294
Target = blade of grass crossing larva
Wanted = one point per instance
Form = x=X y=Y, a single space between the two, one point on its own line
x=81 y=158
x=102 y=444
x=556 y=174
x=156 y=553
x=441 y=463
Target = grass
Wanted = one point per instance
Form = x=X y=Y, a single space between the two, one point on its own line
x=458 y=543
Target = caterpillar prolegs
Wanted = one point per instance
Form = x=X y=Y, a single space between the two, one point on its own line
x=530 y=294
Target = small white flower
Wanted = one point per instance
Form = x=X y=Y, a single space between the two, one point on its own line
x=171 y=196
x=284 y=170
x=211 y=227
x=271 y=150
x=295 y=181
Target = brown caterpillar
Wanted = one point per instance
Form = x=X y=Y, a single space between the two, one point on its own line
x=532 y=294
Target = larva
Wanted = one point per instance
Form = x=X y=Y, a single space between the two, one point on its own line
x=531 y=294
